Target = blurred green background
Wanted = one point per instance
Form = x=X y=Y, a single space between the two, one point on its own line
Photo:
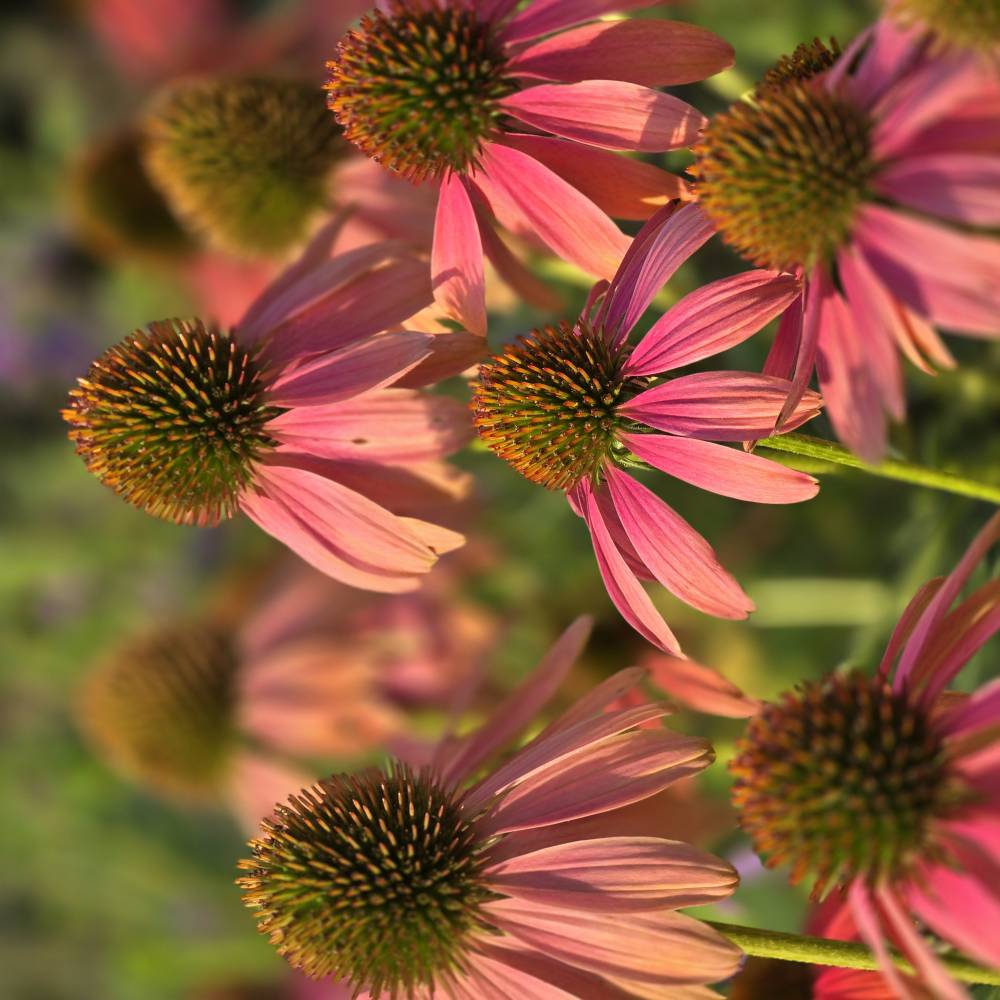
x=105 y=892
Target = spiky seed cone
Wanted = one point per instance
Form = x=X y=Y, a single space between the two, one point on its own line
x=373 y=878
x=244 y=161
x=161 y=710
x=173 y=419
x=115 y=207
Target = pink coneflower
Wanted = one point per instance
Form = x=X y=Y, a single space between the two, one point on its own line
x=462 y=94
x=859 y=171
x=288 y=418
x=571 y=406
x=887 y=786
x=459 y=882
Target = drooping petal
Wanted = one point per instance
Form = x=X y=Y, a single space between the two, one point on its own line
x=621 y=582
x=727 y=471
x=545 y=16
x=615 y=875
x=649 y=53
x=907 y=621
x=623 y=187
x=719 y=406
x=369 y=364
x=568 y=222
x=712 y=319
x=609 y=114
x=866 y=918
x=957 y=186
x=699 y=687
x=675 y=553
x=457 y=258
x=449 y=354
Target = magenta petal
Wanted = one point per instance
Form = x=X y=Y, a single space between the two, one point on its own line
x=609 y=114
x=572 y=225
x=544 y=16
x=615 y=875
x=719 y=406
x=357 y=368
x=650 y=53
x=663 y=244
x=981 y=710
x=727 y=471
x=866 y=918
x=675 y=553
x=712 y=319
x=958 y=186
x=621 y=582
x=457 y=258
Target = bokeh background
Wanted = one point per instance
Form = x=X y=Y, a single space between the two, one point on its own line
x=106 y=891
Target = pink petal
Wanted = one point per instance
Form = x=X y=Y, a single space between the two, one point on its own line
x=615 y=875
x=544 y=16
x=866 y=918
x=621 y=186
x=457 y=258
x=919 y=341
x=357 y=368
x=719 y=406
x=338 y=531
x=718 y=469
x=256 y=785
x=675 y=553
x=712 y=319
x=647 y=949
x=390 y=425
x=449 y=355
x=598 y=698
x=601 y=778
x=955 y=279
x=609 y=114
x=957 y=186
x=620 y=580
x=491 y=978
x=520 y=708
x=664 y=243
x=850 y=393
x=572 y=225
x=904 y=627
x=889 y=52
x=650 y=53
x=698 y=687
x=817 y=286
x=981 y=710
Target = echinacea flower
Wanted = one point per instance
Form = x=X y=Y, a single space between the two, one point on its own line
x=570 y=406
x=464 y=95
x=886 y=786
x=971 y=26
x=860 y=172
x=288 y=418
x=459 y=881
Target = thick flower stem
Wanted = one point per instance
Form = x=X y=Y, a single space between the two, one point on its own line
x=905 y=472
x=844 y=954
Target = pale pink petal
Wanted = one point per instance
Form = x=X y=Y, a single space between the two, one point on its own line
x=598 y=698
x=457 y=258
x=850 y=393
x=652 y=949
x=333 y=528
x=609 y=114
x=621 y=582
x=719 y=406
x=615 y=874
x=955 y=279
x=675 y=553
x=920 y=342
x=699 y=687
x=601 y=778
x=665 y=242
x=398 y=426
x=958 y=186
x=650 y=53
x=520 y=708
x=712 y=319
x=568 y=222
x=623 y=187
x=256 y=785
x=491 y=978
x=718 y=469
x=544 y=16
x=328 y=378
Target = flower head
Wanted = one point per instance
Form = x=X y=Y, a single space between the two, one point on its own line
x=245 y=161
x=432 y=91
x=288 y=418
x=572 y=406
x=837 y=167
x=885 y=787
x=425 y=883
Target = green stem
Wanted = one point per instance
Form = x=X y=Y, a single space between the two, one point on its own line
x=905 y=472
x=844 y=954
